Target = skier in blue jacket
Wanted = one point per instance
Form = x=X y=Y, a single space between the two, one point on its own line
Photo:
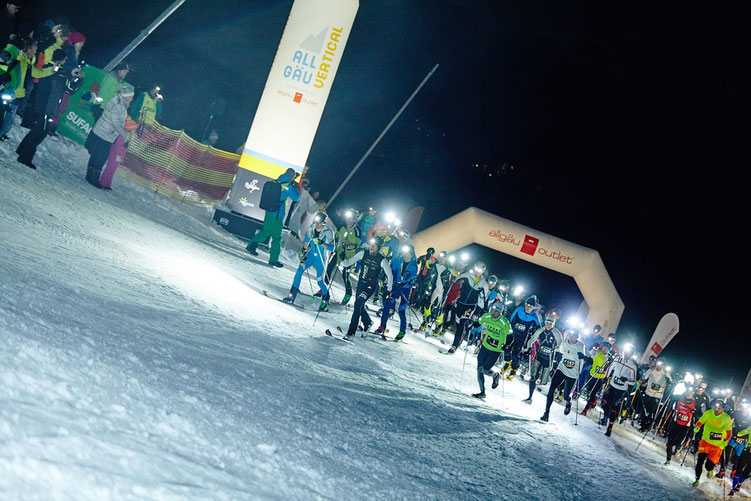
x=524 y=321
x=404 y=270
x=318 y=242
x=273 y=222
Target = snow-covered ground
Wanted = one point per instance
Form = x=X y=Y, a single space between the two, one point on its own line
x=139 y=361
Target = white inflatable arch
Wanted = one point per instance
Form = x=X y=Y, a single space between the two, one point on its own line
x=582 y=264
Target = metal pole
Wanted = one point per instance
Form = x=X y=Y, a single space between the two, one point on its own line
x=142 y=36
x=378 y=139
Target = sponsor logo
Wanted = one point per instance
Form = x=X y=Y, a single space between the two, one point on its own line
x=79 y=122
x=223 y=221
x=502 y=237
x=297 y=98
x=530 y=245
x=252 y=186
x=244 y=202
x=656 y=348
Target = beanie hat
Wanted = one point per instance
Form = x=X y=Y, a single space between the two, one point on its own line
x=125 y=91
x=76 y=37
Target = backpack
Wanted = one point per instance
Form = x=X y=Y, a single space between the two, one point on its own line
x=271 y=195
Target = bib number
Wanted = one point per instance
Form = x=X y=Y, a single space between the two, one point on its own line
x=492 y=342
x=656 y=387
x=568 y=363
x=546 y=350
x=713 y=435
x=683 y=417
x=600 y=370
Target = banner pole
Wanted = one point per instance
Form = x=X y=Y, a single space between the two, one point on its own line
x=378 y=139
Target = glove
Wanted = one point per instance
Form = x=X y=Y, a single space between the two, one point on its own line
x=388 y=296
x=316 y=241
x=696 y=430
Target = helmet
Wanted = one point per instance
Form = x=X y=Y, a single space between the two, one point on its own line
x=379 y=229
x=573 y=333
x=375 y=239
x=408 y=248
x=479 y=267
x=320 y=218
x=718 y=402
x=430 y=252
x=597 y=328
x=497 y=306
x=404 y=234
x=606 y=345
x=533 y=301
x=492 y=278
x=351 y=214
x=443 y=255
x=504 y=285
x=652 y=357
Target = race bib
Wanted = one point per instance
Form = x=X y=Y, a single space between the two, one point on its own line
x=520 y=327
x=546 y=350
x=568 y=363
x=713 y=435
x=682 y=417
x=492 y=342
x=656 y=387
x=741 y=440
x=600 y=370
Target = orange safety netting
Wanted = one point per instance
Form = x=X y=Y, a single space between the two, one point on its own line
x=173 y=164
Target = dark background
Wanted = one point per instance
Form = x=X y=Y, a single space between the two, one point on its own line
x=626 y=126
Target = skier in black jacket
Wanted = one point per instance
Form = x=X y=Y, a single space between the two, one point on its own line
x=371 y=264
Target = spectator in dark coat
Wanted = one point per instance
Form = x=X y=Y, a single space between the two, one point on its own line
x=42 y=109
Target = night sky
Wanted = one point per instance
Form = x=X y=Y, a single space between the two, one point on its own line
x=624 y=124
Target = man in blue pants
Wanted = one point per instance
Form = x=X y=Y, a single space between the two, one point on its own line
x=318 y=241
x=404 y=270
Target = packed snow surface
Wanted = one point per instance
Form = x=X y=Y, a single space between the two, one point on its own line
x=139 y=360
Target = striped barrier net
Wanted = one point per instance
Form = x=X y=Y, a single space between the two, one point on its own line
x=173 y=164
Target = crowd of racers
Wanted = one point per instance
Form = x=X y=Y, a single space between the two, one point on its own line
x=514 y=335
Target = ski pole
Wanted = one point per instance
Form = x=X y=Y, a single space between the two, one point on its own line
x=576 y=418
x=461 y=379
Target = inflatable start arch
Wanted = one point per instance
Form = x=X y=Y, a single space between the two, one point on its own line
x=582 y=264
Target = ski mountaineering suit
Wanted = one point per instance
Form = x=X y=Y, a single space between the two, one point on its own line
x=595 y=377
x=440 y=289
x=679 y=426
x=544 y=344
x=524 y=325
x=371 y=265
x=495 y=332
x=469 y=293
x=621 y=374
x=404 y=275
x=714 y=438
x=655 y=382
x=319 y=242
x=569 y=359
x=348 y=241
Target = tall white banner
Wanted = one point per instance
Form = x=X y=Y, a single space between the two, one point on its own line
x=298 y=86
x=746 y=390
x=664 y=333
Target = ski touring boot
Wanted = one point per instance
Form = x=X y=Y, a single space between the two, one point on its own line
x=291 y=296
x=346 y=299
x=527 y=400
x=252 y=246
x=710 y=473
x=399 y=336
x=381 y=331
x=496 y=380
x=545 y=417
x=324 y=303
x=479 y=395
x=667 y=462
x=451 y=350
x=609 y=431
x=721 y=473
x=567 y=410
x=349 y=337
x=696 y=483
x=318 y=294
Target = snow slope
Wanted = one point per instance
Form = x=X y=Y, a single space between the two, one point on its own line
x=139 y=361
